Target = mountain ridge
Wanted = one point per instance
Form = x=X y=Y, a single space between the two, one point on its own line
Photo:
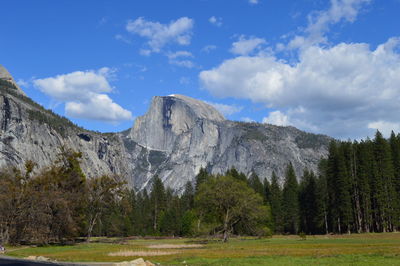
x=174 y=139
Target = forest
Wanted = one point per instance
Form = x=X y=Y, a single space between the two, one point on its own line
x=357 y=189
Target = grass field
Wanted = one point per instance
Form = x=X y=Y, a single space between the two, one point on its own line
x=362 y=249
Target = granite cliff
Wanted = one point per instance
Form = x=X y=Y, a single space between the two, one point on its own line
x=174 y=139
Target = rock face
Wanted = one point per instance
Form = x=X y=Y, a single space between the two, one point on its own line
x=174 y=139
x=5 y=75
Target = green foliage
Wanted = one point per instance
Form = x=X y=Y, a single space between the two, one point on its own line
x=308 y=203
x=276 y=204
x=238 y=205
x=236 y=175
x=290 y=201
x=356 y=190
x=255 y=183
x=311 y=141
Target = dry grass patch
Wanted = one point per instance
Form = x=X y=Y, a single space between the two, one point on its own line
x=141 y=253
x=177 y=246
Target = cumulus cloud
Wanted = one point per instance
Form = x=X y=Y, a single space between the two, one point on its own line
x=215 y=21
x=253 y=2
x=159 y=35
x=276 y=118
x=245 y=46
x=98 y=107
x=84 y=94
x=343 y=90
x=338 y=90
x=226 y=109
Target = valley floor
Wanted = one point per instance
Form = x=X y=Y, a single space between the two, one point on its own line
x=355 y=249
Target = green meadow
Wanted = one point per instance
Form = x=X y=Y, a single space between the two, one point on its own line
x=355 y=249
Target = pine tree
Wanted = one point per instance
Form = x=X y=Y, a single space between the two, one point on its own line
x=322 y=198
x=339 y=189
x=276 y=204
x=200 y=178
x=395 y=150
x=235 y=174
x=386 y=190
x=188 y=197
x=255 y=183
x=365 y=170
x=308 y=203
x=267 y=192
x=158 y=201
x=343 y=193
x=290 y=202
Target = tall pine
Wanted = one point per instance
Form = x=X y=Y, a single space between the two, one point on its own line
x=290 y=202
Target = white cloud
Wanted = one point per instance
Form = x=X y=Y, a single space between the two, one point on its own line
x=75 y=85
x=159 y=35
x=245 y=46
x=226 y=109
x=338 y=90
x=215 y=21
x=183 y=63
x=385 y=127
x=319 y=22
x=208 y=48
x=276 y=118
x=98 y=107
x=23 y=83
x=179 y=54
x=253 y=2
x=84 y=94
x=174 y=59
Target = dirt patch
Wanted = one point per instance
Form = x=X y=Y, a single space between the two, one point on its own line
x=141 y=253
x=176 y=246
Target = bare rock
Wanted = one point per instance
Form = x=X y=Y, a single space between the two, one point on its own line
x=174 y=139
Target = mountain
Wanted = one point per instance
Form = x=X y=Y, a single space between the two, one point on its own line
x=174 y=139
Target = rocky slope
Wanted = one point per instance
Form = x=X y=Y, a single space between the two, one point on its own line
x=174 y=139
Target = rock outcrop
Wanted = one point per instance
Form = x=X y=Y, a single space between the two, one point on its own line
x=174 y=139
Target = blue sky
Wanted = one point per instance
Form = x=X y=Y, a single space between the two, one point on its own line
x=330 y=67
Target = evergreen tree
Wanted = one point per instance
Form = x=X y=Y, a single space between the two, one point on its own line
x=322 y=198
x=255 y=183
x=235 y=174
x=365 y=176
x=201 y=177
x=158 y=200
x=276 y=204
x=267 y=191
x=339 y=189
x=188 y=197
x=290 y=202
x=386 y=197
x=308 y=203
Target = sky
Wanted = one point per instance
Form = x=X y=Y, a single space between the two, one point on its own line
x=329 y=67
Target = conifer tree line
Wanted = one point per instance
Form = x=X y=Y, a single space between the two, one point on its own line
x=357 y=189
